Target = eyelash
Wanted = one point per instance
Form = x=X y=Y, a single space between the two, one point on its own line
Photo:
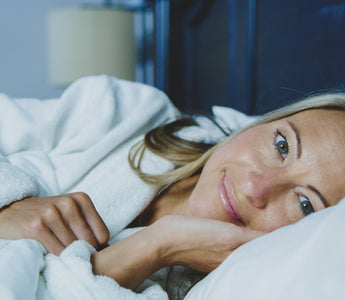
x=305 y=205
x=305 y=210
x=275 y=144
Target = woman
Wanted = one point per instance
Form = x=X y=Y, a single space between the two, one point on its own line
x=269 y=175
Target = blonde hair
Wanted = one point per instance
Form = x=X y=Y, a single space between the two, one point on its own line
x=190 y=157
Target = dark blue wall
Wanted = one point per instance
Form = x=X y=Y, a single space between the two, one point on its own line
x=254 y=55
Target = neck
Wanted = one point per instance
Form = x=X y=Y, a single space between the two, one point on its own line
x=174 y=201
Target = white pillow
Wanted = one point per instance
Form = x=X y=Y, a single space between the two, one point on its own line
x=305 y=261
x=229 y=118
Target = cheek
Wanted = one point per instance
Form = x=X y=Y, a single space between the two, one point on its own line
x=268 y=223
x=203 y=200
x=278 y=214
x=245 y=147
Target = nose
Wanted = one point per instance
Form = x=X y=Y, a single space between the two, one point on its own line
x=262 y=188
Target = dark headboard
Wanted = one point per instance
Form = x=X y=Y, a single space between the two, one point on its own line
x=253 y=55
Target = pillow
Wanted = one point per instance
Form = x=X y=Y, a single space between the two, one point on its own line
x=305 y=260
x=227 y=118
x=230 y=119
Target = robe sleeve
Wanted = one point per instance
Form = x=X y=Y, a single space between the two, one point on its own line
x=69 y=276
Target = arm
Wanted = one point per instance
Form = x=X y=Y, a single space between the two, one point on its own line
x=130 y=261
x=54 y=221
x=200 y=244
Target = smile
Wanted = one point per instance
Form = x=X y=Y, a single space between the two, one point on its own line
x=227 y=199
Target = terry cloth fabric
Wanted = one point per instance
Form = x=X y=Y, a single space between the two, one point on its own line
x=80 y=142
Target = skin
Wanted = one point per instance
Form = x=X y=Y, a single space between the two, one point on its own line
x=266 y=187
x=55 y=221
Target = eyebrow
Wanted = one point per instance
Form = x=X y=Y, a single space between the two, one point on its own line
x=299 y=152
x=317 y=192
x=298 y=138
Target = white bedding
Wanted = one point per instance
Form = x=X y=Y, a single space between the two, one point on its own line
x=301 y=261
x=304 y=261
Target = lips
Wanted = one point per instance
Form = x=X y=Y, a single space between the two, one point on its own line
x=228 y=201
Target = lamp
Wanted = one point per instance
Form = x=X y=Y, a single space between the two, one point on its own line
x=90 y=41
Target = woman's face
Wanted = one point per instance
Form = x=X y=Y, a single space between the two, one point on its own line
x=274 y=174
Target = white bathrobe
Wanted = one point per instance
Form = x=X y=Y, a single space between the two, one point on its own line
x=78 y=142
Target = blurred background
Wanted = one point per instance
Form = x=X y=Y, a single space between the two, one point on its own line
x=24 y=49
x=252 y=55
x=31 y=45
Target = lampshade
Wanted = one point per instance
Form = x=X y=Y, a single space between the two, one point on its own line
x=90 y=41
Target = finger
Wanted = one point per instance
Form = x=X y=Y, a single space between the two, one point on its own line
x=56 y=224
x=52 y=244
x=92 y=218
x=40 y=232
x=83 y=231
x=73 y=217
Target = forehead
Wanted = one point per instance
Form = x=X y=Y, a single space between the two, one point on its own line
x=320 y=125
x=322 y=138
x=319 y=117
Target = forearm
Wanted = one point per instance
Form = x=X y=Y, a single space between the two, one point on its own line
x=130 y=261
x=197 y=243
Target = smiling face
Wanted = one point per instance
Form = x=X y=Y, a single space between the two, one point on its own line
x=274 y=174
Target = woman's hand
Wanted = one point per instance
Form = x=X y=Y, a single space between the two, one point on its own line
x=54 y=221
x=197 y=243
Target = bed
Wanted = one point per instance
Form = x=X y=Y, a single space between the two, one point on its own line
x=301 y=261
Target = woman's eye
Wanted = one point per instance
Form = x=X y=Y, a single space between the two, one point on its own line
x=306 y=206
x=282 y=145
